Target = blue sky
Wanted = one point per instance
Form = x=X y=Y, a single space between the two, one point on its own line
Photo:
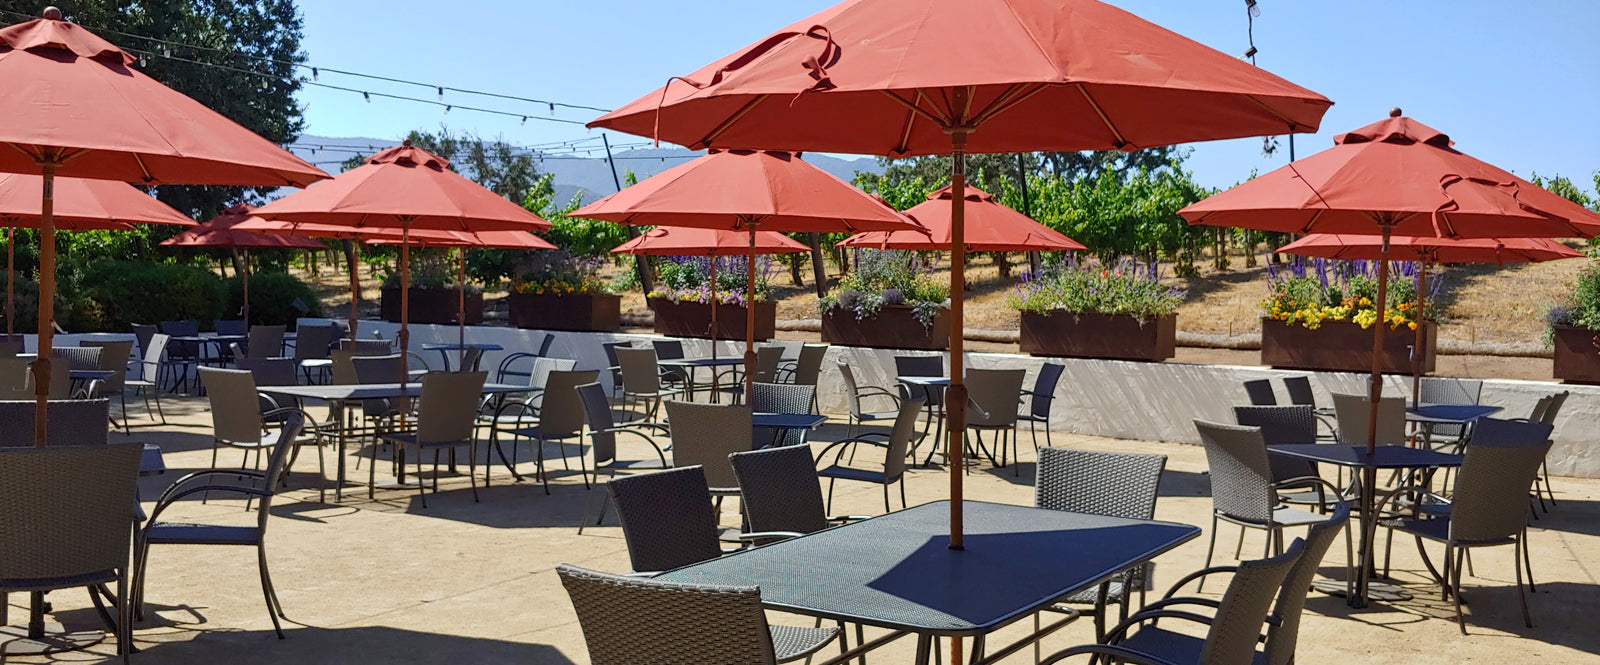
x=1514 y=83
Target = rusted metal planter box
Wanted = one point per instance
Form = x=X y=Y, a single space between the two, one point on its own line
x=692 y=319
x=431 y=306
x=586 y=312
x=893 y=327
x=1577 y=355
x=1109 y=336
x=1342 y=346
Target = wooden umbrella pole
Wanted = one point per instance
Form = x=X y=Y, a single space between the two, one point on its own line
x=352 y=256
x=1369 y=473
x=47 y=302
x=461 y=311
x=1417 y=350
x=404 y=335
x=955 y=399
x=713 y=258
x=749 y=319
x=11 y=278
x=245 y=276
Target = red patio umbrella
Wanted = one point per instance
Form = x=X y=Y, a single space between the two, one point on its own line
x=75 y=107
x=1393 y=177
x=85 y=205
x=746 y=191
x=926 y=77
x=1427 y=251
x=219 y=231
x=991 y=227
x=402 y=189
x=669 y=241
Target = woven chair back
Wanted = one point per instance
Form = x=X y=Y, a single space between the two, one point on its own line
x=780 y=490
x=69 y=511
x=706 y=434
x=1099 y=483
x=1241 y=476
x=667 y=518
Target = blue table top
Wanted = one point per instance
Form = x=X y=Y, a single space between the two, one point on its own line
x=151 y=462
x=458 y=347
x=787 y=420
x=701 y=362
x=897 y=570
x=1449 y=413
x=1384 y=457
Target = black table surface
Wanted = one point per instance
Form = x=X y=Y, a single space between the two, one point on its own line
x=897 y=571
x=339 y=393
x=151 y=462
x=457 y=347
x=1384 y=457
x=787 y=420
x=1449 y=413
x=701 y=362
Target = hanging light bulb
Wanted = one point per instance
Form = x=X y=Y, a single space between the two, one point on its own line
x=367 y=97
x=441 y=93
x=447 y=109
x=552 y=108
x=313 y=73
x=524 y=120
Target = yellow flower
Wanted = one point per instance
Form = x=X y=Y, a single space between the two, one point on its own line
x=1413 y=325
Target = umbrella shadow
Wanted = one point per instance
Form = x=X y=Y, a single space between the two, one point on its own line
x=1184 y=483
x=311 y=644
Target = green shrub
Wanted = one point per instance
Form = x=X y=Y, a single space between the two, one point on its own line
x=272 y=296
x=129 y=292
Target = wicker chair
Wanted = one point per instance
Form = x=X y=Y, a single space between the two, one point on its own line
x=1487 y=509
x=237 y=420
x=994 y=395
x=781 y=494
x=367 y=347
x=148 y=384
x=265 y=341
x=1283 y=626
x=628 y=621
x=854 y=395
x=78 y=358
x=613 y=366
x=69 y=513
x=1242 y=489
x=536 y=377
x=115 y=356
x=1037 y=401
x=1101 y=483
x=1260 y=392
x=1301 y=394
x=642 y=380
x=558 y=417
x=1233 y=632
x=769 y=358
x=1352 y=412
x=781 y=398
x=807 y=369
x=705 y=435
x=895 y=449
x=446 y=420
x=672 y=349
x=260 y=485
x=311 y=346
x=1287 y=425
x=1551 y=408
x=932 y=397
x=603 y=431
x=74 y=422
x=16 y=379
x=380 y=413
x=1446 y=390
x=142 y=332
x=667 y=518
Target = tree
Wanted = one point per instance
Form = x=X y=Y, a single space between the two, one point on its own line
x=1564 y=188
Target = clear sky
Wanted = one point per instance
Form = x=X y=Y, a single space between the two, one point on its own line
x=1513 y=83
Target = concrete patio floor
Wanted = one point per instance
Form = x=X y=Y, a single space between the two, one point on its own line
x=388 y=581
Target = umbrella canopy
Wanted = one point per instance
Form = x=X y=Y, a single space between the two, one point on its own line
x=82 y=204
x=991 y=227
x=222 y=231
x=669 y=241
x=1431 y=250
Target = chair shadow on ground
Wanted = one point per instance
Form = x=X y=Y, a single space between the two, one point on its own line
x=373 y=644
x=1569 y=516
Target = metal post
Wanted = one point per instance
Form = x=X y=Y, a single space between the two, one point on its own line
x=641 y=262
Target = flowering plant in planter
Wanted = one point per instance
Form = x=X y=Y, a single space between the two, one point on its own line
x=1128 y=288
x=889 y=278
x=1580 y=307
x=688 y=279
x=1310 y=293
x=558 y=272
x=431 y=269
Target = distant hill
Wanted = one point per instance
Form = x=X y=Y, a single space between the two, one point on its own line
x=590 y=177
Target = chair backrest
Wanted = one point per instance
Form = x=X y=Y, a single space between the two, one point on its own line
x=994 y=394
x=11 y=345
x=229 y=326
x=1236 y=631
x=312 y=342
x=1557 y=401
x=114 y=357
x=779 y=490
x=69 y=510
x=265 y=341
x=153 y=350
x=73 y=422
x=1490 y=498
x=640 y=374
x=142 y=332
x=610 y=349
x=808 y=367
x=1352 y=412
x=377 y=369
x=667 y=518
x=782 y=398
x=342 y=368
x=78 y=357
x=544 y=346
x=1299 y=389
x=1260 y=392
x=1279 y=425
x=366 y=347
x=852 y=391
x=628 y=620
x=667 y=349
x=706 y=434
x=597 y=414
x=1282 y=637
x=905 y=428
x=923 y=366
x=1241 y=476
x=539 y=374
x=1449 y=390
x=185 y=350
x=1098 y=483
x=448 y=411
x=768 y=357
x=235 y=406
x=269 y=371
x=1044 y=389
x=561 y=410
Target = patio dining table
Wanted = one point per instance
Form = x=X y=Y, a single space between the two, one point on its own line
x=445 y=349
x=781 y=423
x=338 y=396
x=690 y=367
x=897 y=571
x=1426 y=416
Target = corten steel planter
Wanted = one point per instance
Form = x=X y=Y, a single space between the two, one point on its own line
x=431 y=306
x=893 y=327
x=587 y=312
x=1577 y=355
x=1342 y=346
x=692 y=319
x=1110 y=336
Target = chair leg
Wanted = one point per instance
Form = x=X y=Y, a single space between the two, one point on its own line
x=1455 y=584
x=1527 y=619
x=903 y=504
x=266 y=590
x=472 y=467
x=886 y=507
x=829 y=507
x=1210 y=549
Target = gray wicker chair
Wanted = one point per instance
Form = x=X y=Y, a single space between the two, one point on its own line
x=629 y=621
x=446 y=420
x=672 y=349
x=932 y=396
x=1036 y=402
x=1101 y=483
x=854 y=395
x=1447 y=390
x=667 y=518
x=1260 y=392
x=994 y=395
x=77 y=422
x=705 y=435
x=182 y=355
x=260 y=485
x=895 y=449
x=238 y=421
x=1242 y=489
x=148 y=384
x=1233 y=632
x=1547 y=415
x=603 y=431
x=1301 y=394
x=781 y=494
x=311 y=346
x=1488 y=508
x=69 y=517
x=265 y=341
x=114 y=357
x=1352 y=412
x=807 y=369
x=781 y=398
x=78 y=358
x=614 y=366
x=559 y=416
x=1287 y=425
x=367 y=347
x=642 y=380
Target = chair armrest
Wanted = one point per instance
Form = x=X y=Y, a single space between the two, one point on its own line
x=1182 y=600
x=847 y=518
x=1118 y=633
x=1197 y=575
x=168 y=498
x=1418 y=490
x=841 y=444
x=1111 y=651
x=758 y=536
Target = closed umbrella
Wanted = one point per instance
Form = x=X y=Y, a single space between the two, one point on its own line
x=74 y=106
x=747 y=191
x=669 y=241
x=931 y=77
x=220 y=231
x=991 y=227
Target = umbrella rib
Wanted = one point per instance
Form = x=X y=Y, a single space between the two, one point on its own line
x=917 y=109
x=1005 y=102
x=1292 y=124
x=1121 y=142
x=727 y=123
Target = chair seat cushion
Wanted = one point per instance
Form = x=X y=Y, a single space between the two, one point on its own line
x=1173 y=647
x=879 y=415
x=1284 y=516
x=177 y=533
x=1438 y=528
x=792 y=642
x=848 y=473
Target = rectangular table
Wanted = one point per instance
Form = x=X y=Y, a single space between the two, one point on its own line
x=445 y=349
x=896 y=571
x=1426 y=416
x=690 y=367
x=337 y=396
x=781 y=423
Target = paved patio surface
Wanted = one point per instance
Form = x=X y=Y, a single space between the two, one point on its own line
x=388 y=581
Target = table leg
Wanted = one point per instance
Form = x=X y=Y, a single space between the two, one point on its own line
x=924 y=646
x=340 y=416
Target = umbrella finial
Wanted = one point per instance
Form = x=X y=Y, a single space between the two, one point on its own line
x=52 y=13
x=1394 y=112
x=406 y=143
